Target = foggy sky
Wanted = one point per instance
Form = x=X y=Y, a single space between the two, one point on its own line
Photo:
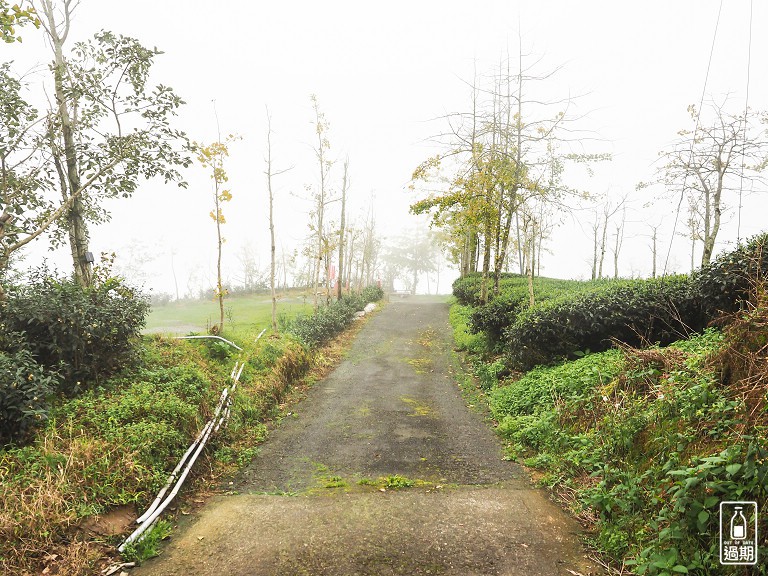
x=382 y=73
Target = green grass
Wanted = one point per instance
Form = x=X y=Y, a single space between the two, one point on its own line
x=244 y=316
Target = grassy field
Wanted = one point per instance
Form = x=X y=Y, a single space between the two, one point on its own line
x=243 y=315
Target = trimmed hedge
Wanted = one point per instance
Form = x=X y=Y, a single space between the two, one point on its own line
x=633 y=311
x=330 y=320
x=513 y=299
x=571 y=318
x=466 y=289
x=636 y=312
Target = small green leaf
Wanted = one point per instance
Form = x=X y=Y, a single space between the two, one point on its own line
x=732 y=468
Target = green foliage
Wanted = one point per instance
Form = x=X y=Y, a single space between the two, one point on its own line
x=658 y=439
x=466 y=288
x=541 y=388
x=396 y=482
x=152 y=414
x=631 y=311
x=571 y=318
x=372 y=294
x=722 y=286
x=149 y=546
x=330 y=320
x=218 y=350
x=12 y=17
x=488 y=373
x=25 y=389
x=459 y=317
x=86 y=334
x=513 y=299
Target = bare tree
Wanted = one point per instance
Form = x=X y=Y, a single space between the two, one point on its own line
x=713 y=159
x=618 y=241
x=344 y=186
x=321 y=196
x=507 y=152
x=270 y=174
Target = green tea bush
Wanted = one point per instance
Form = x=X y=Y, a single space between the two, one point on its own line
x=327 y=321
x=84 y=333
x=466 y=288
x=635 y=312
x=372 y=294
x=330 y=320
x=724 y=284
x=25 y=390
x=502 y=311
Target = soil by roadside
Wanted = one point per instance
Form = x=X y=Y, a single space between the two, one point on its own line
x=381 y=470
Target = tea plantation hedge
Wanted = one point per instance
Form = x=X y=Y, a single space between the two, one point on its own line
x=330 y=320
x=572 y=318
x=633 y=311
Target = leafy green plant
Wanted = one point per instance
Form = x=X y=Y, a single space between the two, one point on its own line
x=25 y=390
x=372 y=293
x=149 y=546
x=219 y=350
x=396 y=482
x=328 y=321
x=86 y=334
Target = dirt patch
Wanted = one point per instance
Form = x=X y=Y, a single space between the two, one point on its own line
x=380 y=416
x=116 y=521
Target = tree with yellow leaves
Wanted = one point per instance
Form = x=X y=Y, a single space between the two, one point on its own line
x=212 y=158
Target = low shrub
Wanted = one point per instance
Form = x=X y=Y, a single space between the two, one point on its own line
x=722 y=286
x=372 y=294
x=466 y=288
x=330 y=320
x=542 y=387
x=86 y=334
x=25 y=390
x=644 y=444
x=636 y=312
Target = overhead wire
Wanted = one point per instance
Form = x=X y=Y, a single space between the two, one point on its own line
x=693 y=138
x=746 y=112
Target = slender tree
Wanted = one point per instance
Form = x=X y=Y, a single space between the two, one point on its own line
x=83 y=147
x=270 y=173
x=344 y=186
x=321 y=195
x=212 y=157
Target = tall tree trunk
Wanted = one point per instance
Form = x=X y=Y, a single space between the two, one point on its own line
x=486 y=262
x=340 y=274
x=77 y=229
x=219 y=283
x=713 y=212
x=271 y=225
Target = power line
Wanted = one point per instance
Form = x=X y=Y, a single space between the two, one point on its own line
x=693 y=138
x=746 y=111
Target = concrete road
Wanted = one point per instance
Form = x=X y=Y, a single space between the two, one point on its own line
x=316 y=500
